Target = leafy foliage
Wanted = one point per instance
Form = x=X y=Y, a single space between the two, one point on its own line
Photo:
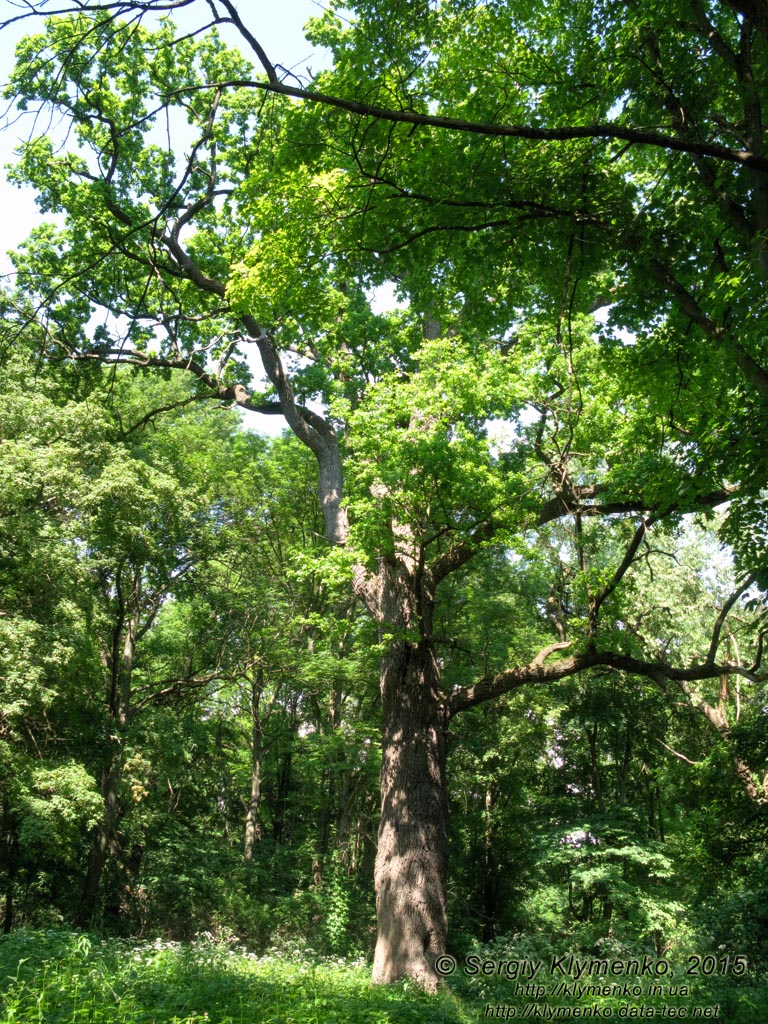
x=191 y=683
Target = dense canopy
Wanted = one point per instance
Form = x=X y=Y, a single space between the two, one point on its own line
x=510 y=556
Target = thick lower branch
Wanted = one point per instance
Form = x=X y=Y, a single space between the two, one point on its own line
x=540 y=670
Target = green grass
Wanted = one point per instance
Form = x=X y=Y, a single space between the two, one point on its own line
x=52 y=977
x=68 y=978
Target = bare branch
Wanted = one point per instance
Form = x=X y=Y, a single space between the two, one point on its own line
x=258 y=49
x=596 y=602
x=171 y=407
x=174 y=687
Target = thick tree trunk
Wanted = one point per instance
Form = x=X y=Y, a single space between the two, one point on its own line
x=412 y=857
x=411 y=866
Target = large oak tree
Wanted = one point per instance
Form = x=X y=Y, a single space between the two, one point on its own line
x=510 y=174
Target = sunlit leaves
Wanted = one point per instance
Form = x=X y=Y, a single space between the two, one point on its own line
x=422 y=452
x=62 y=803
x=113 y=92
x=286 y=277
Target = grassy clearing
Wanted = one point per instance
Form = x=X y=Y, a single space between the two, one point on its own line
x=65 y=978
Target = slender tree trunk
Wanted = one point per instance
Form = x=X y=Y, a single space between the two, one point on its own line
x=12 y=862
x=344 y=798
x=284 y=783
x=102 y=840
x=490 y=881
x=252 y=824
x=8 y=909
x=120 y=662
x=596 y=777
x=412 y=857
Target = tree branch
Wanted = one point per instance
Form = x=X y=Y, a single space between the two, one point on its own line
x=258 y=49
x=171 y=407
x=724 y=611
x=682 y=757
x=539 y=671
x=748 y=365
x=596 y=602
x=176 y=686
x=566 y=133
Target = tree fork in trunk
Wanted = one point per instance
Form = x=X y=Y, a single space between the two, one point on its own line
x=412 y=859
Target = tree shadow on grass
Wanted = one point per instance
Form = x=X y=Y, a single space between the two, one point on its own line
x=280 y=993
x=73 y=979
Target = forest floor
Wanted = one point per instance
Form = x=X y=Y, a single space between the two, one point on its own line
x=56 y=977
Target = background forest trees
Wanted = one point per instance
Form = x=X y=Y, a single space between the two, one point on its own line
x=509 y=561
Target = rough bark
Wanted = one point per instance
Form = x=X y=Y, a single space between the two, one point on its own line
x=411 y=866
x=412 y=857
